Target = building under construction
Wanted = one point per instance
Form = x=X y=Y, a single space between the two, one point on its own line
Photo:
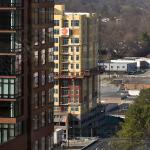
x=75 y=57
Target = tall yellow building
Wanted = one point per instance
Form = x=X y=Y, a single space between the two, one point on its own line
x=75 y=58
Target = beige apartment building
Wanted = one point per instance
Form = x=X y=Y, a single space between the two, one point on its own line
x=75 y=58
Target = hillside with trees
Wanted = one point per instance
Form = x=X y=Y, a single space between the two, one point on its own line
x=124 y=25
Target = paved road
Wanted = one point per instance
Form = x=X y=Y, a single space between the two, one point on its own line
x=100 y=145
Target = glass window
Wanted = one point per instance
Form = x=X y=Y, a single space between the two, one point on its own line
x=36 y=16
x=50 y=95
x=43 y=98
x=36 y=37
x=72 y=66
x=56 y=40
x=36 y=58
x=36 y=100
x=56 y=65
x=77 y=57
x=35 y=122
x=43 y=57
x=56 y=22
x=43 y=36
x=7 y=88
x=50 y=116
x=36 y=79
x=77 y=66
x=36 y=145
x=65 y=23
x=71 y=57
x=43 y=119
x=55 y=57
x=56 y=31
x=51 y=77
x=55 y=48
x=65 y=41
x=43 y=15
x=43 y=78
x=43 y=143
x=74 y=22
x=75 y=40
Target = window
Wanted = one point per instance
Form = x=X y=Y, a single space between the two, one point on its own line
x=56 y=22
x=51 y=77
x=50 y=14
x=56 y=82
x=55 y=99
x=43 y=98
x=111 y=66
x=36 y=58
x=7 y=88
x=50 y=34
x=56 y=91
x=75 y=108
x=55 y=57
x=56 y=65
x=77 y=57
x=74 y=22
x=50 y=95
x=56 y=40
x=18 y=64
x=36 y=37
x=36 y=16
x=72 y=99
x=43 y=36
x=36 y=79
x=65 y=83
x=65 y=23
x=36 y=100
x=77 y=66
x=56 y=31
x=65 y=50
x=65 y=41
x=55 y=48
x=35 y=122
x=71 y=57
x=77 y=99
x=72 y=66
x=50 y=115
x=75 y=40
x=43 y=143
x=71 y=91
x=72 y=49
x=36 y=145
x=77 y=49
x=43 y=57
x=77 y=92
x=118 y=67
x=43 y=78
x=76 y=83
x=42 y=15
x=50 y=55
x=10 y=131
x=43 y=119
x=65 y=92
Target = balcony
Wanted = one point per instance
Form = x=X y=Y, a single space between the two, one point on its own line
x=65 y=52
x=65 y=61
